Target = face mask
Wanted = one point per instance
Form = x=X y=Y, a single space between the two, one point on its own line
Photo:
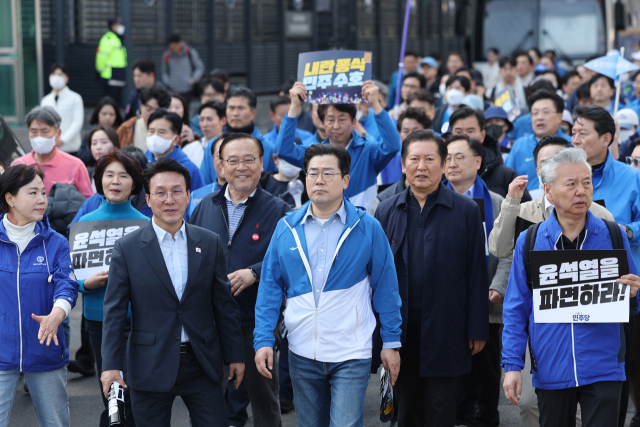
x=56 y=81
x=42 y=145
x=158 y=145
x=358 y=115
x=442 y=89
x=495 y=131
x=287 y=169
x=625 y=134
x=120 y=30
x=454 y=97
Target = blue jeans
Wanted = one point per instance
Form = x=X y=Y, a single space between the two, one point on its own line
x=329 y=391
x=48 y=391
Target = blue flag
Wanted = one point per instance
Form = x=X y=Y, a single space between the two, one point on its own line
x=611 y=65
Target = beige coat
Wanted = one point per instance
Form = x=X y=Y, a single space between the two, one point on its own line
x=501 y=239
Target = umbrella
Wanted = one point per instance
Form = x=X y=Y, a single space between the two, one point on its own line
x=612 y=66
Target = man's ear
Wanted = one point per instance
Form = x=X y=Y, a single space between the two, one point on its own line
x=177 y=141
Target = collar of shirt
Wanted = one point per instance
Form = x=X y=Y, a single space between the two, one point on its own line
x=228 y=197
x=469 y=192
x=55 y=161
x=162 y=234
x=341 y=212
x=548 y=207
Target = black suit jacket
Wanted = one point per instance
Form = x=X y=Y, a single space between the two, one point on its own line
x=207 y=310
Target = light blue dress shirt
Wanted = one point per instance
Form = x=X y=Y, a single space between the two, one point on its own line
x=469 y=192
x=235 y=212
x=175 y=257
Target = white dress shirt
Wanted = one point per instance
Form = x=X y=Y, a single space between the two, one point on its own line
x=71 y=109
x=548 y=207
x=175 y=257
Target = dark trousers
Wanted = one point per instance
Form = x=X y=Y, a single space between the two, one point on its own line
x=422 y=402
x=286 y=388
x=237 y=402
x=94 y=330
x=84 y=355
x=599 y=402
x=202 y=397
x=113 y=91
x=482 y=384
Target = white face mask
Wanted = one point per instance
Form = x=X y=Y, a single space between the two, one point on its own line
x=287 y=169
x=454 y=97
x=42 y=145
x=442 y=89
x=158 y=145
x=57 y=81
x=120 y=29
x=625 y=134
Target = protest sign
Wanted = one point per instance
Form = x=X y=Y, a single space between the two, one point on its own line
x=334 y=76
x=579 y=286
x=521 y=225
x=92 y=243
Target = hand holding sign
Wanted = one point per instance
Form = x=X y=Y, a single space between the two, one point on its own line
x=632 y=281
x=370 y=94
x=298 y=95
x=96 y=280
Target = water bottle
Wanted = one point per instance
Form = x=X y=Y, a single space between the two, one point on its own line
x=116 y=404
x=296 y=188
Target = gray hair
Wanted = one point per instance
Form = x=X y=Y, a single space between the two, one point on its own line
x=46 y=115
x=383 y=88
x=549 y=170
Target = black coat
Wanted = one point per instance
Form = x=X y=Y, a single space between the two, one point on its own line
x=207 y=310
x=455 y=300
x=495 y=174
x=250 y=240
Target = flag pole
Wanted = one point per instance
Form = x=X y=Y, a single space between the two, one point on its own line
x=618 y=84
x=401 y=62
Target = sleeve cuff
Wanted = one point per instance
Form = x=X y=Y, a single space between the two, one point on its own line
x=63 y=304
x=394 y=344
x=511 y=201
x=509 y=368
x=81 y=287
x=257 y=346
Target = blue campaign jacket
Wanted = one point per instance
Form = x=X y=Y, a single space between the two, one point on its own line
x=368 y=156
x=30 y=292
x=362 y=275
x=567 y=355
x=270 y=138
x=178 y=155
x=209 y=173
x=521 y=158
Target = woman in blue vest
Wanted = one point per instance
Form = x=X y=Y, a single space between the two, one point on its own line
x=118 y=178
x=38 y=289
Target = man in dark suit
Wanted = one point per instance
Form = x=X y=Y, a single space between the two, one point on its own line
x=438 y=243
x=185 y=322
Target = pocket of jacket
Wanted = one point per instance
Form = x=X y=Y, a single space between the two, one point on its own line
x=209 y=335
x=143 y=338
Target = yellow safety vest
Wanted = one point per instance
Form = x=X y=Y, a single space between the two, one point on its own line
x=110 y=54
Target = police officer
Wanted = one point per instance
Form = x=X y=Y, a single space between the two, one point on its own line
x=111 y=59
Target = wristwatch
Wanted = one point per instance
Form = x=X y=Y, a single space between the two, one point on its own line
x=629 y=233
x=254 y=273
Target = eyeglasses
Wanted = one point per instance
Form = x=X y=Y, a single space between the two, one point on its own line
x=162 y=195
x=633 y=161
x=327 y=176
x=248 y=161
x=458 y=158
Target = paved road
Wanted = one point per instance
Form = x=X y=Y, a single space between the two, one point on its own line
x=86 y=405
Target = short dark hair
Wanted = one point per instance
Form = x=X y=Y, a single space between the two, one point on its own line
x=137 y=154
x=494 y=50
x=343 y=108
x=597 y=77
x=454 y=53
x=107 y=100
x=537 y=51
x=507 y=60
x=543 y=94
x=424 y=135
x=234 y=136
x=315 y=150
x=111 y=134
x=568 y=75
x=145 y=65
x=174 y=38
x=14 y=178
x=466 y=112
x=635 y=75
x=464 y=82
x=58 y=66
x=173 y=118
x=411 y=53
x=164 y=164
x=584 y=91
x=281 y=100
x=218 y=140
x=185 y=107
x=160 y=95
x=474 y=145
x=287 y=86
x=602 y=121
x=220 y=75
x=243 y=92
x=523 y=53
x=130 y=164
x=549 y=140
x=416 y=75
x=216 y=84
x=634 y=143
x=417 y=114
x=219 y=107
x=550 y=52
x=542 y=84
x=422 y=95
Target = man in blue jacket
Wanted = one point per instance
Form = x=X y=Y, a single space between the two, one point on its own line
x=368 y=156
x=438 y=244
x=546 y=116
x=333 y=263
x=572 y=363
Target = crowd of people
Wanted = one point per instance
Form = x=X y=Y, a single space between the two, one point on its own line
x=282 y=269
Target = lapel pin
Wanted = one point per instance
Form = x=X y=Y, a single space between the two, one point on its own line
x=198 y=250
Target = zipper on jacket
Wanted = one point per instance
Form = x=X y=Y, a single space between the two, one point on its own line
x=573 y=350
x=19 y=305
x=226 y=223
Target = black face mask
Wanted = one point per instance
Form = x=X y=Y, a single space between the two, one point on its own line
x=495 y=131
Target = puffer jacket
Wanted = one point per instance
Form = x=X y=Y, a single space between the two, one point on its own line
x=24 y=289
x=64 y=202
